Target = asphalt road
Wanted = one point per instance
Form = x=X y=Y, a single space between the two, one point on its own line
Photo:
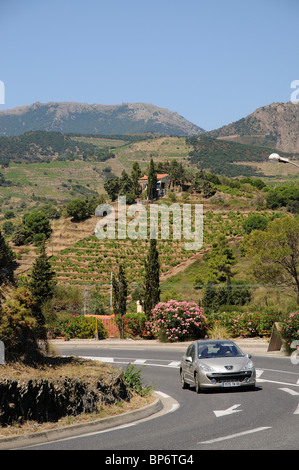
x=264 y=419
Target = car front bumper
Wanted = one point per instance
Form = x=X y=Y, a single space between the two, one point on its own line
x=225 y=380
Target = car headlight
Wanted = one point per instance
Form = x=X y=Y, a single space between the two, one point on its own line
x=204 y=367
x=249 y=365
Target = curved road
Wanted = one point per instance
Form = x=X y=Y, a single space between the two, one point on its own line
x=267 y=418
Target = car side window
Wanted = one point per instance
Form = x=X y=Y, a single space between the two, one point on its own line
x=189 y=351
x=192 y=354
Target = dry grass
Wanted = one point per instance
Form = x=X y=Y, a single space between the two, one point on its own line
x=56 y=368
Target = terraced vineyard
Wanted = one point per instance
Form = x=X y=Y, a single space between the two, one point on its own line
x=90 y=261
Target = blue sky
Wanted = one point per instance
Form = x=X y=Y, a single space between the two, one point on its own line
x=212 y=61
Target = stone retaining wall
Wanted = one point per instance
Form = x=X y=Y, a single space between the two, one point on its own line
x=44 y=400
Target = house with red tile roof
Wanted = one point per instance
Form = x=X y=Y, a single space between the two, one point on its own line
x=162 y=183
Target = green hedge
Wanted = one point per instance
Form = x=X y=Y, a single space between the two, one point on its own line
x=79 y=326
x=246 y=324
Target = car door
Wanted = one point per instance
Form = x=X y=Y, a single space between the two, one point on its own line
x=189 y=364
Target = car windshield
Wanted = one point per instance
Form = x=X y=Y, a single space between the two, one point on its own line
x=211 y=349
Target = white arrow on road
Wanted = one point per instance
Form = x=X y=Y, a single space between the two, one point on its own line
x=229 y=411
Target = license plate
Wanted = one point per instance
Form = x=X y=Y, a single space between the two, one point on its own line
x=230 y=384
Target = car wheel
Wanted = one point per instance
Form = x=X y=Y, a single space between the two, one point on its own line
x=183 y=383
x=196 y=383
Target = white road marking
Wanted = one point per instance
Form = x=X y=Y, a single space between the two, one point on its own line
x=232 y=436
x=290 y=391
x=162 y=394
x=98 y=358
x=174 y=364
x=229 y=411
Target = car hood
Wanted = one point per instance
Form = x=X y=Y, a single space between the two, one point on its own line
x=219 y=363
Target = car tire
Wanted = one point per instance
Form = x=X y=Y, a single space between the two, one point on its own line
x=183 y=383
x=197 y=383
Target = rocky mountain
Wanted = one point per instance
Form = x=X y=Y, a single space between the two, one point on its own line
x=70 y=117
x=275 y=125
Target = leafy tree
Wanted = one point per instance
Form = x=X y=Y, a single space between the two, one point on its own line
x=8 y=227
x=152 y=283
x=202 y=184
x=34 y=223
x=112 y=188
x=275 y=252
x=18 y=327
x=125 y=184
x=152 y=182
x=255 y=222
x=233 y=293
x=220 y=261
x=78 y=209
x=135 y=176
x=176 y=173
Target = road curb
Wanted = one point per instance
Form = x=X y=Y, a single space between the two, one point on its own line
x=74 y=430
x=254 y=346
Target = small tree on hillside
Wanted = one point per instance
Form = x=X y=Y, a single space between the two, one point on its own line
x=274 y=253
x=41 y=284
x=220 y=261
x=152 y=284
x=135 y=176
x=7 y=262
x=18 y=327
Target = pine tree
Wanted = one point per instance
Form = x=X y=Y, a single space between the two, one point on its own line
x=152 y=283
x=7 y=262
x=152 y=182
x=220 y=261
x=41 y=283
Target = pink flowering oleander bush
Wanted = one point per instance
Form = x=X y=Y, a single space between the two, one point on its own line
x=289 y=328
x=177 y=321
x=134 y=324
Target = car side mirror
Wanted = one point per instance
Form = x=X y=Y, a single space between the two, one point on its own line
x=249 y=356
x=188 y=359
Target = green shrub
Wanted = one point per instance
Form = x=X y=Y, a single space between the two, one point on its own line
x=290 y=329
x=134 y=324
x=79 y=326
x=134 y=381
x=246 y=324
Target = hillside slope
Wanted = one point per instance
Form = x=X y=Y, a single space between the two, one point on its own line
x=70 y=117
x=275 y=125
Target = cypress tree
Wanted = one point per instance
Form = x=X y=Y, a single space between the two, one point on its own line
x=152 y=283
x=152 y=182
x=120 y=294
x=41 y=283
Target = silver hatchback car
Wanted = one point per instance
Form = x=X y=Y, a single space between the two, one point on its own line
x=211 y=364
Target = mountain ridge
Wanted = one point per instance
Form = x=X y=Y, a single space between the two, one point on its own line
x=275 y=125
x=73 y=117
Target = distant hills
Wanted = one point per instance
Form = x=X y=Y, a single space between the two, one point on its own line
x=70 y=117
x=275 y=125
